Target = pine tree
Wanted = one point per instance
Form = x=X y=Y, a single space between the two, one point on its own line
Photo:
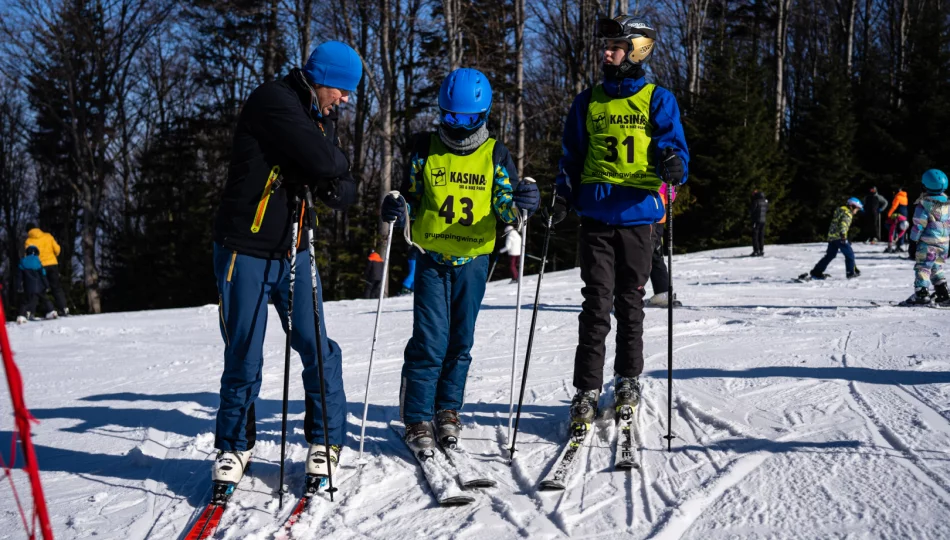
x=733 y=152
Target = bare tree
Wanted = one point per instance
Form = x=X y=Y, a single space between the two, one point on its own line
x=781 y=45
x=519 y=84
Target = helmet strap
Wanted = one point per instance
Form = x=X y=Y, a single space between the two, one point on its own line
x=626 y=70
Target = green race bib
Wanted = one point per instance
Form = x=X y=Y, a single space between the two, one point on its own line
x=455 y=215
x=620 y=148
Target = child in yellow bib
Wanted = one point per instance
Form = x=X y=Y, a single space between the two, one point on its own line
x=459 y=185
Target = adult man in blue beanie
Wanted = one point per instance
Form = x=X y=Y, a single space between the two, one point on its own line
x=285 y=140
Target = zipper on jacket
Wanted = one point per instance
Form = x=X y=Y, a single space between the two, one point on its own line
x=231 y=267
x=273 y=182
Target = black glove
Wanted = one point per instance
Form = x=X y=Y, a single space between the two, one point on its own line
x=557 y=212
x=340 y=193
x=394 y=209
x=526 y=196
x=671 y=168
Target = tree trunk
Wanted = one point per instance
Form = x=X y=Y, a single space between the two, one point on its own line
x=519 y=84
x=695 y=22
x=453 y=31
x=270 y=44
x=90 y=273
x=781 y=37
x=386 y=118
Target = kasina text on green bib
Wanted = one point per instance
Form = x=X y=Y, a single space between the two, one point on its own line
x=620 y=149
x=455 y=214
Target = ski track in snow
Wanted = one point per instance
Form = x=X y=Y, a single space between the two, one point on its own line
x=792 y=405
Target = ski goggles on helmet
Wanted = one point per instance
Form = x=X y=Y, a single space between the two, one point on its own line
x=462 y=120
x=614 y=29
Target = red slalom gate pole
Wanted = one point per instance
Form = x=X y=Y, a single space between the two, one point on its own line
x=23 y=419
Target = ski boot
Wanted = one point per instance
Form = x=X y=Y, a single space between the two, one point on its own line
x=889 y=249
x=317 y=462
x=421 y=440
x=21 y=319
x=583 y=412
x=52 y=315
x=920 y=298
x=941 y=295
x=899 y=249
x=856 y=273
x=626 y=396
x=229 y=467
x=448 y=427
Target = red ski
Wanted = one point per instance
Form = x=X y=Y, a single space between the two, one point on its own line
x=208 y=521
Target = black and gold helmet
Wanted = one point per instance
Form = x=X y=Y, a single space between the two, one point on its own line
x=639 y=35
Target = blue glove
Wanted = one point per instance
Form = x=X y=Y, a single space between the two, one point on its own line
x=394 y=209
x=526 y=196
x=671 y=168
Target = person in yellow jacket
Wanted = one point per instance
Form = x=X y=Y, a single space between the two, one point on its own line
x=49 y=250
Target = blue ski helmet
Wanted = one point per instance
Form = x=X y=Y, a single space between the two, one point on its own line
x=934 y=181
x=853 y=201
x=465 y=99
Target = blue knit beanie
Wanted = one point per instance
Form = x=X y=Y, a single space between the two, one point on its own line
x=334 y=64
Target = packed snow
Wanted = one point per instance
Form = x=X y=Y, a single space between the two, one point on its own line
x=813 y=410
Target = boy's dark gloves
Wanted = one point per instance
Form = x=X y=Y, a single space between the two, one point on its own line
x=526 y=196
x=394 y=209
x=671 y=168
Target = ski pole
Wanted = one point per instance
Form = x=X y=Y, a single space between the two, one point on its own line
x=318 y=335
x=534 y=320
x=491 y=269
x=290 y=328
x=669 y=309
x=379 y=310
x=514 y=351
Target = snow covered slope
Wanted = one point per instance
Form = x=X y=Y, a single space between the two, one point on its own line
x=800 y=410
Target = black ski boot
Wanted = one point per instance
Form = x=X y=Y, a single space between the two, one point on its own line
x=448 y=427
x=421 y=440
x=626 y=396
x=920 y=298
x=856 y=273
x=583 y=411
x=941 y=295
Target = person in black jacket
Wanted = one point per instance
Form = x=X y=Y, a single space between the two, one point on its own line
x=757 y=212
x=285 y=141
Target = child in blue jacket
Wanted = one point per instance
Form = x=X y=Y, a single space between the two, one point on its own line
x=33 y=283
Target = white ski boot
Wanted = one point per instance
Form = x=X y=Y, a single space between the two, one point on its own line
x=229 y=467
x=317 y=460
x=52 y=315
x=21 y=319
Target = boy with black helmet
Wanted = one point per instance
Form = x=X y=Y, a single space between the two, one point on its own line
x=838 y=241
x=931 y=231
x=458 y=183
x=622 y=139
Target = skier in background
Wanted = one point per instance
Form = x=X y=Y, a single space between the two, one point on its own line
x=49 y=250
x=513 y=248
x=659 y=273
x=622 y=139
x=373 y=276
x=757 y=213
x=931 y=231
x=285 y=139
x=897 y=217
x=33 y=283
x=838 y=241
x=459 y=183
x=874 y=205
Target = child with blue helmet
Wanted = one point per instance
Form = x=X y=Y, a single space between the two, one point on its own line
x=931 y=231
x=838 y=241
x=459 y=183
